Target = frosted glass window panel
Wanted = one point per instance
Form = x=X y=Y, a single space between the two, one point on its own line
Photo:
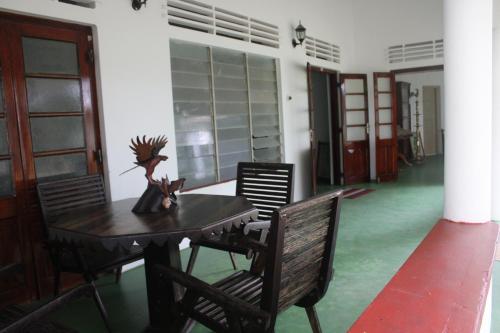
x=268 y=155
x=50 y=168
x=232 y=71
x=190 y=66
x=183 y=80
x=197 y=171
x=53 y=95
x=187 y=152
x=223 y=56
x=231 y=109
x=230 y=146
x=230 y=83
x=54 y=133
x=263 y=85
x=232 y=159
x=355 y=102
x=228 y=173
x=261 y=74
x=4 y=143
x=233 y=121
x=258 y=109
x=192 y=109
x=355 y=117
x=265 y=120
x=191 y=95
x=385 y=116
x=231 y=134
x=259 y=132
x=50 y=56
x=183 y=50
x=261 y=62
x=6 y=184
x=270 y=141
x=357 y=133
x=385 y=132
x=261 y=96
x=384 y=101
x=225 y=96
x=187 y=138
x=384 y=84
x=354 y=86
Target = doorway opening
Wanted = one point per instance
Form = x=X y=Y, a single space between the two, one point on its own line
x=325 y=128
x=420 y=117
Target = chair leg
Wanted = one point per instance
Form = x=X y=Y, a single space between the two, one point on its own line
x=233 y=260
x=313 y=319
x=100 y=306
x=57 y=281
x=188 y=326
x=192 y=259
x=118 y=274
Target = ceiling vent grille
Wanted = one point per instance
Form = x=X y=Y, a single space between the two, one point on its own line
x=194 y=15
x=415 y=51
x=319 y=49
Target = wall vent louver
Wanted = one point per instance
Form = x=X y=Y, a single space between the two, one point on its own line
x=319 y=49
x=195 y=15
x=415 y=51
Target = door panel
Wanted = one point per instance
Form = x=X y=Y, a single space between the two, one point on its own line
x=356 y=154
x=312 y=137
x=385 y=126
x=52 y=132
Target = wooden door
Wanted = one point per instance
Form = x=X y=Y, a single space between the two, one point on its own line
x=50 y=72
x=355 y=128
x=312 y=137
x=430 y=108
x=385 y=126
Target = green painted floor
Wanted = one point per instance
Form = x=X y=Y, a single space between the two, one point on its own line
x=377 y=233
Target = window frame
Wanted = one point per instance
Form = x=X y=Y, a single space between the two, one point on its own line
x=279 y=103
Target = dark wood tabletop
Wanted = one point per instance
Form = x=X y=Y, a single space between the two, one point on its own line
x=114 y=223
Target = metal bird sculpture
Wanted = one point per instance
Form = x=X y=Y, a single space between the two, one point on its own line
x=158 y=193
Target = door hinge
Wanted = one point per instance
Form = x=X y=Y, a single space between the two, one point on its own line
x=90 y=55
x=311 y=135
x=367 y=128
x=98 y=156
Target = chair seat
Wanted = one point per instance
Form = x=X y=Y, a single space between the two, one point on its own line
x=243 y=285
x=98 y=258
x=13 y=313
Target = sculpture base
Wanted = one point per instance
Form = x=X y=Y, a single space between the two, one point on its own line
x=150 y=201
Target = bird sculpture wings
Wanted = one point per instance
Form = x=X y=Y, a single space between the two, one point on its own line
x=147 y=150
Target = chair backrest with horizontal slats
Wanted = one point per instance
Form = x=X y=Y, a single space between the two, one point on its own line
x=61 y=196
x=267 y=186
x=302 y=244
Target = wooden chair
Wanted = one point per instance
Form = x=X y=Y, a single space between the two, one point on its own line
x=267 y=186
x=298 y=271
x=16 y=319
x=90 y=259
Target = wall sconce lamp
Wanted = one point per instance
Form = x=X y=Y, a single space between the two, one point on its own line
x=137 y=4
x=300 y=32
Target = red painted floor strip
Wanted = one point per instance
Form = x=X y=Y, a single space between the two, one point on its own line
x=442 y=287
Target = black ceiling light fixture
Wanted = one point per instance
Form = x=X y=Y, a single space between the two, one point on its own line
x=300 y=32
x=137 y=4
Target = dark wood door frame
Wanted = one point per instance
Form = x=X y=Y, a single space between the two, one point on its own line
x=37 y=267
x=336 y=129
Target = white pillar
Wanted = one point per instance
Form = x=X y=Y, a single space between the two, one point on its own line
x=468 y=109
x=495 y=170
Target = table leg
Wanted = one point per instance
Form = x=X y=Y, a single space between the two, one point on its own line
x=163 y=312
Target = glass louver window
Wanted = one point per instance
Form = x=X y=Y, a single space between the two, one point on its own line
x=226 y=109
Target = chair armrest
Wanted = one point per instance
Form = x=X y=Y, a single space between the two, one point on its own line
x=9 y=270
x=213 y=294
x=48 y=308
x=256 y=226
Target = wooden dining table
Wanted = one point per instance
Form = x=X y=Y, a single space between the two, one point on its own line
x=159 y=234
